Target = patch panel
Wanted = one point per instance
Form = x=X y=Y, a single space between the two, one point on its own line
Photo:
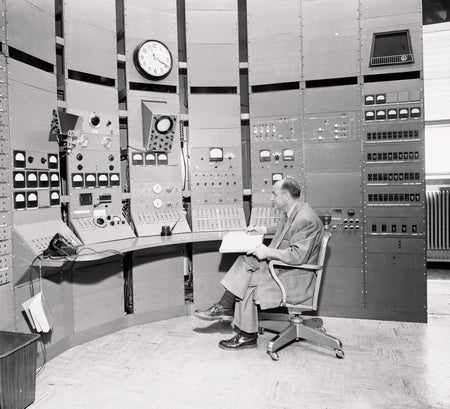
x=393 y=156
x=394 y=135
x=413 y=197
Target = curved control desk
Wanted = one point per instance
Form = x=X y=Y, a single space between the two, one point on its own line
x=113 y=285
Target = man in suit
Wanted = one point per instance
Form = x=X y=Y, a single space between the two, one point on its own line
x=296 y=240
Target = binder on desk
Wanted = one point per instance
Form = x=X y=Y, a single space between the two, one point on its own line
x=240 y=242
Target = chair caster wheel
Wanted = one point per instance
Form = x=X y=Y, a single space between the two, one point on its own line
x=260 y=331
x=274 y=356
x=339 y=353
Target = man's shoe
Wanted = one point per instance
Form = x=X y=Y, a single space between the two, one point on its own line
x=216 y=312
x=238 y=342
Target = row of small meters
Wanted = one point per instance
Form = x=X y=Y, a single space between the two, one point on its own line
x=34 y=179
x=392 y=113
x=80 y=180
x=36 y=199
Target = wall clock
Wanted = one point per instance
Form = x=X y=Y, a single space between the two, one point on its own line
x=153 y=60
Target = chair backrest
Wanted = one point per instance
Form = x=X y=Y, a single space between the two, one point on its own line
x=320 y=262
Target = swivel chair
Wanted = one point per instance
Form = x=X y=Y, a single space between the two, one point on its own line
x=297 y=327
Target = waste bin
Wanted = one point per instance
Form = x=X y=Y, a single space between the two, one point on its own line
x=17 y=369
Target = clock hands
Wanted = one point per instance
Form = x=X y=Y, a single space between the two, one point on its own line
x=163 y=63
x=157 y=59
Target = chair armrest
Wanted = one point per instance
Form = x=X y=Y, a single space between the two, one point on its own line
x=272 y=263
x=302 y=266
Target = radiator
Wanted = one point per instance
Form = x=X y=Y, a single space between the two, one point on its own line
x=438 y=225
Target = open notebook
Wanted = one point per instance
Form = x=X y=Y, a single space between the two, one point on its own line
x=240 y=242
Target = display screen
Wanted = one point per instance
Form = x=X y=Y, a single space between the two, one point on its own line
x=389 y=44
x=391 y=48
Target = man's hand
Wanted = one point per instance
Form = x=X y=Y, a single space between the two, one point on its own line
x=261 y=252
x=256 y=229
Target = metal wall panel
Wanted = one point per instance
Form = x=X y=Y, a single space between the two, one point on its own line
x=331 y=99
x=214 y=111
x=371 y=9
x=54 y=294
x=209 y=268
x=88 y=98
x=100 y=13
x=333 y=189
x=204 y=138
x=274 y=59
x=220 y=42
x=89 y=48
x=211 y=26
x=30 y=121
x=158 y=280
x=2 y=21
x=222 y=70
x=146 y=20
x=98 y=296
x=31 y=28
x=342 y=289
x=265 y=19
x=6 y=307
x=278 y=103
x=274 y=43
x=211 y=5
x=330 y=39
x=344 y=156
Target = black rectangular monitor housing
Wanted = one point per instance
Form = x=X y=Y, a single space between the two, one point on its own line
x=391 y=48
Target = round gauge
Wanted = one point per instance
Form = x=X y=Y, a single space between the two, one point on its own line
x=153 y=60
x=107 y=142
x=157 y=203
x=157 y=188
x=164 y=124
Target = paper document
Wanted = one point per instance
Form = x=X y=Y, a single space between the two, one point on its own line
x=38 y=313
x=240 y=242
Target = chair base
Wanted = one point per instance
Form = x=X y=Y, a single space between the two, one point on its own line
x=297 y=328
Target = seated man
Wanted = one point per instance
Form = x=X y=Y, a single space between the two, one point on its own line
x=296 y=241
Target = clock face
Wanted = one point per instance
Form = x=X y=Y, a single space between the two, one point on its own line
x=153 y=60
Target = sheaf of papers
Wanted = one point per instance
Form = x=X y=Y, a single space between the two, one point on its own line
x=240 y=242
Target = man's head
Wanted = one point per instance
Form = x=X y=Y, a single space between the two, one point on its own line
x=284 y=193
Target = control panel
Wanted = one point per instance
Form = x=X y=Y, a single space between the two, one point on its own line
x=94 y=181
x=213 y=218
x=216 y=188
x=156 y=176
x=276 y=153
x=331 y=126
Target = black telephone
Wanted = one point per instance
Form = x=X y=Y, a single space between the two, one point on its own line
x=60 y=246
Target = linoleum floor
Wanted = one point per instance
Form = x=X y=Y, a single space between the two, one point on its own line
x=176 y=364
